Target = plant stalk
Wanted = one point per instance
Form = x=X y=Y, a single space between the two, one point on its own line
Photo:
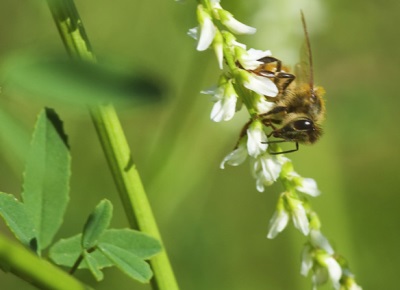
x=36 y=271
x=115 y=145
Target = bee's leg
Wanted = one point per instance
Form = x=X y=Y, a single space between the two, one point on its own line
x=274 y=111
x=288 y=79
x=243 y=132
x=269 y=59
x=282 y=141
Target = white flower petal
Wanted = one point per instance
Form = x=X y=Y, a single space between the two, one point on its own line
x=224 y=109
x=306 y=260
x=256 y=141
x=207 y=29
x=219 y=53
x=320 y=241
x=334 y=270
x=250 y=59
x=193 y=32
x=277 y=223
x=308 y=186
x=234 y=25
x=261 y=85
x=299 y=218
x=262 y=105
x=237 y=156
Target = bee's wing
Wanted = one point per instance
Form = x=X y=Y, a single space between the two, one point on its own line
x=304 y=69
x=302 y=72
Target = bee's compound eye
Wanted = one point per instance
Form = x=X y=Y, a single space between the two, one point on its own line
x=303 y=125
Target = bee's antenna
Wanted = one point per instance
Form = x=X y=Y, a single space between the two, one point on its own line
x=303 y=20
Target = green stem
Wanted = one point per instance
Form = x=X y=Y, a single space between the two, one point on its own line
x=115 y=145
x=25 y=264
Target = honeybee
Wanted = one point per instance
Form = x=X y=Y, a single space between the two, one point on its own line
x=299 y=107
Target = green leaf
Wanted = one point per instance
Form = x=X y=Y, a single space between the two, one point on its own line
x=17 y=219
x=96 y=224
x=66 y=251
x=127 y=262
x=46 y=178
x=93 y=266
x=77 y=82
x=142 y=245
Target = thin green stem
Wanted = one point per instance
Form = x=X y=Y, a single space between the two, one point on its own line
x=115 y=145
x=25 y=264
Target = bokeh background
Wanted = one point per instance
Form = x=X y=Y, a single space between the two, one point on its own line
x=213 y=221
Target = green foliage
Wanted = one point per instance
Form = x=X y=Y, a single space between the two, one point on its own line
x=16 y=217
x=100 y=248
x=36 y=220
x=78 y=82
x=46 y=178
x=45 y=195
x=96 y=224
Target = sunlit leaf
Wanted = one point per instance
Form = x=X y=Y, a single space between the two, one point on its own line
x=17 y=219
x=46 y=178
x=96 y=224
x=127 y=262
x=77 y=82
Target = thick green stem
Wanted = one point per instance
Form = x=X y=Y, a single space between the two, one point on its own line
x=25 y=264
x=115 y=145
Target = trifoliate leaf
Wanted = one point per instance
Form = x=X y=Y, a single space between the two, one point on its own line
x=65 y=252
x=96 y=224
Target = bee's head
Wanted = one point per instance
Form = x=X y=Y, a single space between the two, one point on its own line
x=302 y=130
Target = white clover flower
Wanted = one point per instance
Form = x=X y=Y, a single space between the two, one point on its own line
x=207 y=29
x=225 y=99
x=308 y=186
x=334 y=271
x=306 y=260
x=266 y=169
x=262 y=104
x=256 y=139
x=304 y=185
x=279 y=220
x=318 y=240
x=260 y=85
x=234 y=25
x=219 y=48
x=299 y=215
x=250 y=59
x=237 y=156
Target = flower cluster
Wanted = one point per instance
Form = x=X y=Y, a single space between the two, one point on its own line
x=238 y=85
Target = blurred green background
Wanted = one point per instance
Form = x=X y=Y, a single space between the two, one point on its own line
x=213 y=221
